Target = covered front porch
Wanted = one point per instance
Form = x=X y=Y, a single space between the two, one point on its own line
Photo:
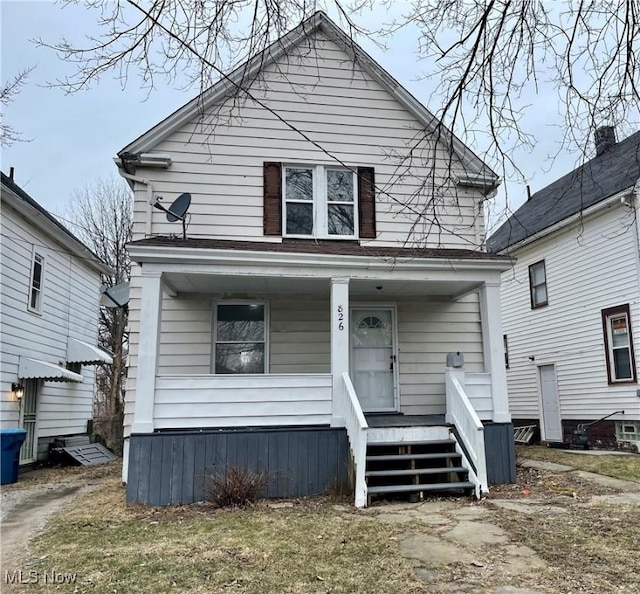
x=240 y=344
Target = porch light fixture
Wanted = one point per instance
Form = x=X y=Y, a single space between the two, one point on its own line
x=18 y=391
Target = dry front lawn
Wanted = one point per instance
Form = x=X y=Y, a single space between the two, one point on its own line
x=281 y=549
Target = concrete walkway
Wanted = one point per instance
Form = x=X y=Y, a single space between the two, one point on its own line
x=458 y=547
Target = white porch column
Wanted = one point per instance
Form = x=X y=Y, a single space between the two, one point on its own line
x=148 y=340
x=493 y=347
x=339 y=344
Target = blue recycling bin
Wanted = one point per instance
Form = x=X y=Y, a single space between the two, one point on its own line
x=11 y=441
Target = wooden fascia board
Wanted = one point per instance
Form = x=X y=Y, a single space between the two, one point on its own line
x=205 y=261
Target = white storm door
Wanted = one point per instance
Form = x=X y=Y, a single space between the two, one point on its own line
x=28 y=408
x=373 y=360
x=551 y=423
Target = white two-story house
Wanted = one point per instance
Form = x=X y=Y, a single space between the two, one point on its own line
x=49 y=325
x=571 y=304
x=331 y=257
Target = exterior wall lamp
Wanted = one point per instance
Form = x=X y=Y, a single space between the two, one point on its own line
x=18 y=391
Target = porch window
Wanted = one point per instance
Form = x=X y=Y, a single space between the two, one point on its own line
x=35 y=289
x=320 y=202
x=619 y=345
x=240 y=338
x=538 y=284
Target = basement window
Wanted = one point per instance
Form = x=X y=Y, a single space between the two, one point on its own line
x=618 y=341
x=240 y=338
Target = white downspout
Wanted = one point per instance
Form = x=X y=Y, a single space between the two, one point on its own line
x=146 y=182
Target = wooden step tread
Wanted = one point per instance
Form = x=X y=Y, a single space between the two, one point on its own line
x=422 y=442
x=413 y=488
x=387 y=457
x=409 y=471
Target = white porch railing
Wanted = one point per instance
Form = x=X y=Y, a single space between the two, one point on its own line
x=278 y=400
x=470 y=430
x=356 y=425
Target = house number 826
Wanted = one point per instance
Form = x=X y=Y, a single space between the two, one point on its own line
x=340 y=317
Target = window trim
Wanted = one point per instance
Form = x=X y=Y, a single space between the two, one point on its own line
x=505 y=344
x=535 y=305
x=214 y=334
x=607 y=314
x=38 y=308
x=320 y=202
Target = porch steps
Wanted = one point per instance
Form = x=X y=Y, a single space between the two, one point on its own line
x=423 y=467
x=411 y=472
x=421 y=488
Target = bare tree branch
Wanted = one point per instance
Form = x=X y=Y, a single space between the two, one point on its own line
x=8 y=92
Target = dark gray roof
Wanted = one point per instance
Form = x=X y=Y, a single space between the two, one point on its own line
x=83 y=250
x=606 y=175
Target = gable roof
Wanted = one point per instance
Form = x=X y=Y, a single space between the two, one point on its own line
x=606 y=175
x=477 y=172
x=43 y=220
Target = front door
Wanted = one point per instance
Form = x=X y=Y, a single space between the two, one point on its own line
x=552 y=425
x=373 y=358
x=28 y=421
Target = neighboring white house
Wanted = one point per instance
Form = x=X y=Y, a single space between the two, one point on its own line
x=332 y=261
x=571 y=303
x=50 y=306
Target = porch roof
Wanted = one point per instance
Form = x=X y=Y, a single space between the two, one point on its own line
x=321 y=247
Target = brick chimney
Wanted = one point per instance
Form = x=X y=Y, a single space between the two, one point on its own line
x=605 y=138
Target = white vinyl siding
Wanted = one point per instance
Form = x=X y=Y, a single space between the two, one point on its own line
x=300 y=341
x=427 y=331
x=69 y=307
x=345 y=112
x=591 y=266
x=241 y=401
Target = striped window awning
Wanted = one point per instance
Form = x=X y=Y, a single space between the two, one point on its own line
x=29 y=368
x=85 y=353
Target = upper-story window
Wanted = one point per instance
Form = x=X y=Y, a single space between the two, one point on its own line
x=538 y=284
x=618 y=343
x=320 y=202
x=35 y=287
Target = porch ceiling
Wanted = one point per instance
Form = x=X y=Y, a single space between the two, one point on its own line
x=264 y=285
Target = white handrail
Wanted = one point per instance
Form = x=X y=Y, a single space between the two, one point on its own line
x=356 y=426
x=469 y=428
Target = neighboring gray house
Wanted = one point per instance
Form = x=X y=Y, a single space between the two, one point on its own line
x=302 y=327
x=571 y=304
x=49 y=325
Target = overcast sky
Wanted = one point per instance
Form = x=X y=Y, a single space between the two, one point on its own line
x=73 y=138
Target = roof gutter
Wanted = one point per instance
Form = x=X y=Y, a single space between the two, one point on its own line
x=133 y=179
x=618 y=197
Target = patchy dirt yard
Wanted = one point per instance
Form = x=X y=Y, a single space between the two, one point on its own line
x=553 y=532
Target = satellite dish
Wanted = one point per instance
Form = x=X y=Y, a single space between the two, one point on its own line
x=177 y=211
x=179 y=208
x=116 y=296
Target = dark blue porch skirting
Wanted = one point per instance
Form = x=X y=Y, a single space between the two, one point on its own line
x=500 y=451
x=173 y=467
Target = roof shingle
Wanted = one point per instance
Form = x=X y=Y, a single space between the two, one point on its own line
x=606 y=175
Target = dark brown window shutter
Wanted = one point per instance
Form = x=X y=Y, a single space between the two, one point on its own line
x=367 y=202
x=272 y=219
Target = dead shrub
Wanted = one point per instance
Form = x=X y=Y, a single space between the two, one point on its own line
x=237 y=487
